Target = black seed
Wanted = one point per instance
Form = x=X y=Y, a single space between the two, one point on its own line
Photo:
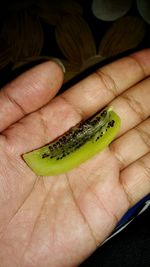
x=111 y=123
x=104 y=113
x=45 y=155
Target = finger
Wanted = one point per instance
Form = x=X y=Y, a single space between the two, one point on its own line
x=40 y=127
x=48 y=123
x=44 y=126
x=135 y=179
x=98 y=89
x=28 y=92
x=133 y=106
x=132 y=145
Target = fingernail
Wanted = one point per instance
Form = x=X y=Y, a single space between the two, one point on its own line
x=59 y=62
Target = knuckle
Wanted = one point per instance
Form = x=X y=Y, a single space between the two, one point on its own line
x=120 y=159
x=43 y=125
x=14 y=102
x=137 y=62
x=145 y=136
x=134 y=105
x=146 y=169
x=108 y=82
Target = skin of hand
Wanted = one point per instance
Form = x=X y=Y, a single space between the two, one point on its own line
x=59 y=221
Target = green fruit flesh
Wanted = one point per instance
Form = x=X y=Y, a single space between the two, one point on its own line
x=52 y=166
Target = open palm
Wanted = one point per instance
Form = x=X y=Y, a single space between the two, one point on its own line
x=60 y=220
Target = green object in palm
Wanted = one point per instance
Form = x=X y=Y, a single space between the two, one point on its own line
x=77 y=145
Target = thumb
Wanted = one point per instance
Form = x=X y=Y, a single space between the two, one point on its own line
x=29 y=92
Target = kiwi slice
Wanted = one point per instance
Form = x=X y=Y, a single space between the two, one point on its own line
x=75 y=146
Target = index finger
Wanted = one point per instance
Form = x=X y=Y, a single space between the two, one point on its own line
x=101 y=87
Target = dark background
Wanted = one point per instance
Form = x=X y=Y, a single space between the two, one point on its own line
x=50 y=45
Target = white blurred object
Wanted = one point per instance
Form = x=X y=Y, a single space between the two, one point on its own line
x=109 y=10
x=144 y=9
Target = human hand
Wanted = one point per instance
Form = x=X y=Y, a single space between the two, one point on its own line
x=59 y=221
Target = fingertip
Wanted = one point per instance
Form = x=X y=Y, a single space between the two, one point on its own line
x=52 y=69
x=37 y=86
x=30 y=91
x=60 y=63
